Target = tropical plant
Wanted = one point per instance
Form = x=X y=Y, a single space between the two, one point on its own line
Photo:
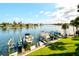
x=76 y=22
x=78 y=8
x=77 y=33
x=72 y=24
x=64 y=27
x=28 y=45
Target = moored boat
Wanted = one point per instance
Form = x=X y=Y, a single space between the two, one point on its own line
x=10 y=46
x=19 y=44
x=29 y=38
x=10 y=43
x=44 y=37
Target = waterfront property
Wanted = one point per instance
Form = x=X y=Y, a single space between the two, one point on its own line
x=27 y=45
x=39 y=29
x=15 y=34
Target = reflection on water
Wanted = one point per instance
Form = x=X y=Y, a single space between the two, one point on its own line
x=15 y=33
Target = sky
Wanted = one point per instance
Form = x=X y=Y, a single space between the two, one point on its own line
x=56 y=12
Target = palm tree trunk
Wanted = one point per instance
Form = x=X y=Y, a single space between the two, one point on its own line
x=65 y=33
x=73 y=31
x=76 y=28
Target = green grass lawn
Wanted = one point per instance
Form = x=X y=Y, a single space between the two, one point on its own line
x=63 y=47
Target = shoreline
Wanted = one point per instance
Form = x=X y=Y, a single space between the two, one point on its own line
x=25 y=53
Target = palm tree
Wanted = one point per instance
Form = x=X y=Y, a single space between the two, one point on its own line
x=72 y=23
x=64 y=27
x=76 y=23
x=78 y=8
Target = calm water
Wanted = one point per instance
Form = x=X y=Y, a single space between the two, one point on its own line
x=15 y=34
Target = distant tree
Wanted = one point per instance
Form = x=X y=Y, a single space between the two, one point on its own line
x=4 y=24
x=20 y=24
x=14 y=24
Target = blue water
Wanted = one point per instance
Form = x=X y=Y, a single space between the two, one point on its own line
x=5 y=35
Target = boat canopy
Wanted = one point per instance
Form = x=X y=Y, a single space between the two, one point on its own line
x=54 y=32
x=45 y=35
x=20 y=42
x=28 y=37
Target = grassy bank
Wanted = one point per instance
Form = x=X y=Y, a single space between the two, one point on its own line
x=64 y=47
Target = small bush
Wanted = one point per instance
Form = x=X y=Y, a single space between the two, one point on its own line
x=28 y=45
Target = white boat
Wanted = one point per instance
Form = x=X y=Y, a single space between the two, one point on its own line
x=10 y=43
x=29 y=37
x=45 y=35
x=11 y=46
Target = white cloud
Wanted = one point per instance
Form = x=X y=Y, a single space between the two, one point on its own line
x=16 y=19
x=50 y=21
x=41 y=12
x=66 y=10
x=36 y=16
x=46 y=13
x=67 y=3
